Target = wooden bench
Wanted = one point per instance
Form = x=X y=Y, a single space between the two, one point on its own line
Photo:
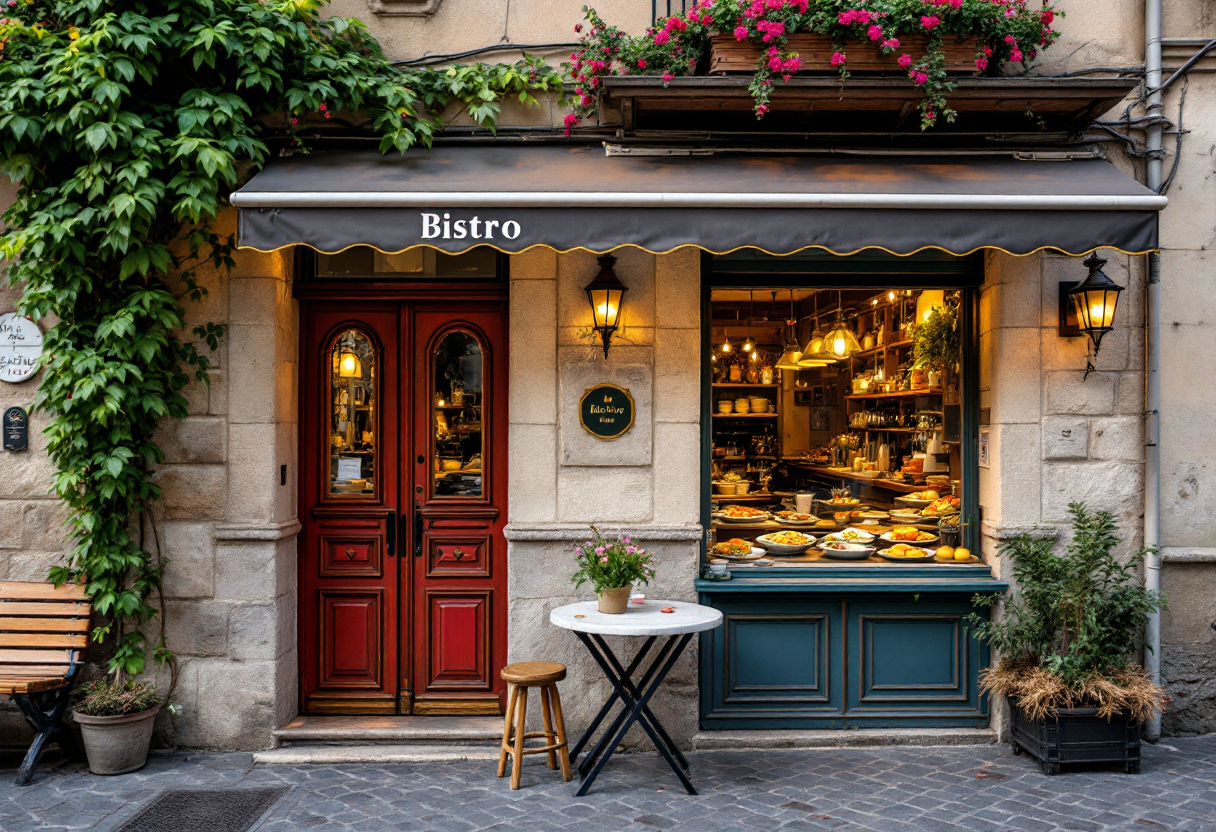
x=43 y=632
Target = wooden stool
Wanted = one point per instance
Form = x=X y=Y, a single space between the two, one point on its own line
x=519 y=677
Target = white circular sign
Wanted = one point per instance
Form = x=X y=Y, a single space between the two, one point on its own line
x=20 y=347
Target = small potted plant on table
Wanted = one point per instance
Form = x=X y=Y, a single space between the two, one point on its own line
x=1067 y=641
x=612 y=567
x=116 y=719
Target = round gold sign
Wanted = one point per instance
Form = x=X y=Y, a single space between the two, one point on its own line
x=606 y=411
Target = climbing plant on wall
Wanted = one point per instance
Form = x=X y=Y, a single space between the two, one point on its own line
x=124 y=122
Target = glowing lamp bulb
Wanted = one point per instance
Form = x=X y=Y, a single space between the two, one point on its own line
x=840 y=346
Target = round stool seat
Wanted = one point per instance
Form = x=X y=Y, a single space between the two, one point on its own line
x=533 y=673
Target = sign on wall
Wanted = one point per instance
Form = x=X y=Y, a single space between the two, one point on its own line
x=606 y=411
x=20 y=347
x=16 y=429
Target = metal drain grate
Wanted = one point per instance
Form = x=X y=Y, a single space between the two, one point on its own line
x=222 y=810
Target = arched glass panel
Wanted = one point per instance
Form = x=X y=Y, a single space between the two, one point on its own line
x=456 y=407
x=352 y=439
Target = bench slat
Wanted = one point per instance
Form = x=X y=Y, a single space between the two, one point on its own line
x=66 y=608
x=39 y=591
x=22 y=671
x=29 y=657
x=8 y=687
x=44 y=625
x=43 y=640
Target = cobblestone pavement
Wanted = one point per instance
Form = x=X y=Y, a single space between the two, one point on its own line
x=922 y=789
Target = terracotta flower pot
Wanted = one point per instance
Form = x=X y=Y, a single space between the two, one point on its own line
x=616 y=600
x=117 y=744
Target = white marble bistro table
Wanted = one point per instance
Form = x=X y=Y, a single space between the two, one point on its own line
x=646 y=620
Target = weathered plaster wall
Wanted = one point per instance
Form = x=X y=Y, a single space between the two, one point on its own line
x=563 y=479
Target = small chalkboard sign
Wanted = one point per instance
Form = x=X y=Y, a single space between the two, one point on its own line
x=16 y=429
x=606 y=411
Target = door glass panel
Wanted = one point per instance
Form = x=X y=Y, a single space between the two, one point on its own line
x=352 y=436
x=456 y=413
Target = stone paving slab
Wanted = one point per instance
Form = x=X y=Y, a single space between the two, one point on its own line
x=943 y=789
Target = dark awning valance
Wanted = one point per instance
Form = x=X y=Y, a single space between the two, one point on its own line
x=516 y=197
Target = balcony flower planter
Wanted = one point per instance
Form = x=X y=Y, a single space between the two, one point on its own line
x=1076 y=735
x=729 y=55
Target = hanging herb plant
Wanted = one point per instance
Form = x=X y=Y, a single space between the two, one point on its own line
x=123 y=122
x=911 y=32
x=935 y=342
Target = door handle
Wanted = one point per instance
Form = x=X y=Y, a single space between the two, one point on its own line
x=417 y=529
x=390 y=533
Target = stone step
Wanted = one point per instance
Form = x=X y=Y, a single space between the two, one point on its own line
x=297 y=755
x=868 y=738
x=429 y=731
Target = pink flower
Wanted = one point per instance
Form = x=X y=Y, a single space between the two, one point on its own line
x=694 y=17
x=792 y=64
x=956 y=4
x=919 y=78
x=707 y=20
x=578 y=27
x=981 y=63
x=1010 y=39
x=930 y=21
x=853 y=16
x=774 y=4
x=667 y=76
x=741 y=33
x=1047 y=17
x=604 y=559
x=761 y=109
x=661 y=37
x=987 y=51
x=571 y=121
x=893 y=43
x=599 y=550
x=774 y=63
x=875 y=32
x=641 y=63
x=1016 y=54
x=838 y=58
x=905 y=60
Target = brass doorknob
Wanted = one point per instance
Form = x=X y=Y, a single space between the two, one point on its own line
x=350 y=554
x=456 y=553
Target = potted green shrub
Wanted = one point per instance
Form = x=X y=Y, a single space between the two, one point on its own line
x=1067 y=641
x=612 y=567
x=116 y=719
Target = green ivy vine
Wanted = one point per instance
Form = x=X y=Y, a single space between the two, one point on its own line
x=123 y=122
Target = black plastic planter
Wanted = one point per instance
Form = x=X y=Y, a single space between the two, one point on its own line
x=1077 y=735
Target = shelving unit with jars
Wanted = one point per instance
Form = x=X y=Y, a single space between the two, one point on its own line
x=746 y=419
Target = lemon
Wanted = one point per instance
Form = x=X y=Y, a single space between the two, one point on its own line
x=946 y=553
x=962 y=554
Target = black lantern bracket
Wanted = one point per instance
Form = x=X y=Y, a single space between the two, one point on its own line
x=606 y=294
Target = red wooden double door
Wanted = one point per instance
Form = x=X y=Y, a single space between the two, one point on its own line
x=403 y=501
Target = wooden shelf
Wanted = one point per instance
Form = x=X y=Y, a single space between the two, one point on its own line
x=745 y=415
x=728 y=384
x=881 y=347
x=901 y=394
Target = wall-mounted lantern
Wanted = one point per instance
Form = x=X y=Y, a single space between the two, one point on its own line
x=1095 y=300
x=606 y=295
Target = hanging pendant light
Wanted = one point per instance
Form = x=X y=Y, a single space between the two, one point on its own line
x=814 y=355
x=750 y=345
x=840 y=341
x=791 y=354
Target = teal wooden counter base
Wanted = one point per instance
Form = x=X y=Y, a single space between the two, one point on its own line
x=844 y=652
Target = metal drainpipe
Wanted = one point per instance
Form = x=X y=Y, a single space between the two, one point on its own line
x=1152 y=387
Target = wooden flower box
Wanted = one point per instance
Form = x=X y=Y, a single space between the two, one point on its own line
x=1077 y=735
x=728 y=55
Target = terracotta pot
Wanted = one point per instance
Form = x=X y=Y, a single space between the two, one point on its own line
x=615 y=601
x=726 y=54
x=117 y=744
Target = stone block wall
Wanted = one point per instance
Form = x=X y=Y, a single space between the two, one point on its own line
x=562 y=478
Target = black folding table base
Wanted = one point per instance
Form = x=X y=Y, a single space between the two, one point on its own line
x=634 y=708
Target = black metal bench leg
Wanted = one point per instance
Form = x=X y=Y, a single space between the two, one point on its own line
x=48 y=727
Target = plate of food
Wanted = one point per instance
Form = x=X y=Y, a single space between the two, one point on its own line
x=951 y=554
x=845 y=551
x=849 y=535
x=905 y=514
x=737 y=549
x=908 y=534
x=793 y=518
x=919 y=498
x=874 y=515
x=903 y=553
x=943 y=506
x=742 y=514
x=786 y=543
